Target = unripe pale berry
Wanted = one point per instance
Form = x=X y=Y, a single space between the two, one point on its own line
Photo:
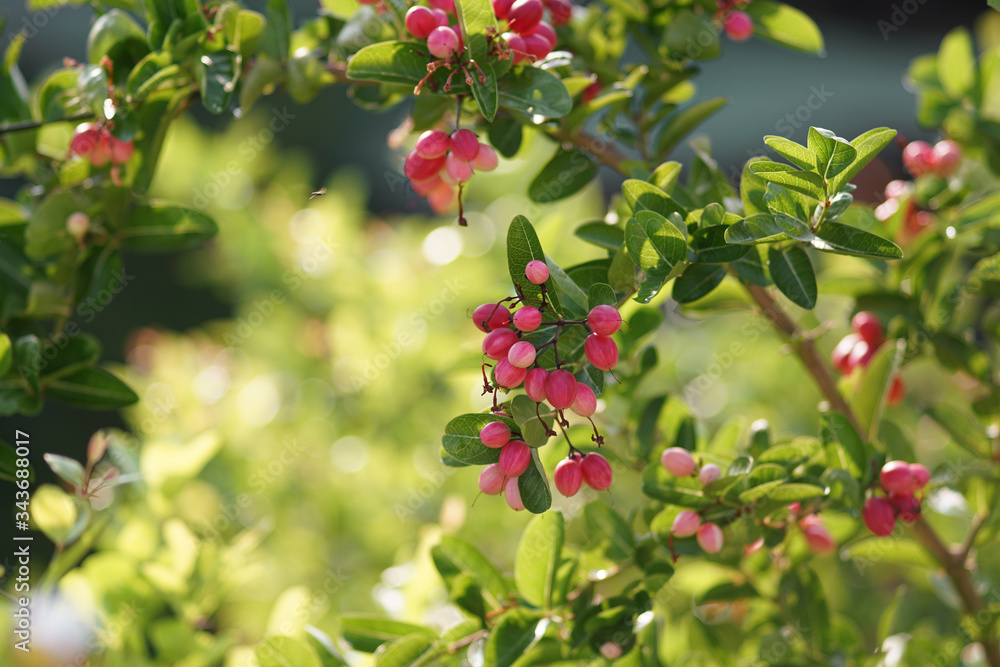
x=710 y=538
x=514 y=458
x=898 y=189
x=818 y=538
x=419 y=168
x=524 y=15
x=521 y=354
x=560 y=389
x=561 y=11
x=601 y=351
x=596 y=471
x=738 y=26
x=442 y=42
x=501 y=8
x=611 y=650
x=921 y=475
x=460 y=170
x=604 y=320
x=447 y=6
x=918 y=158
x=534 y=384
x=879 y=516
x=568 y=477
x=709 y=473
x=486 y=158
x=513 y=494
x=432 y=143
x=896 y=390
x=420 y=21
x=494 y=316
x=77 y=225
x=907 y=505
x=678 y=462
x=464 y=144
x=842 y=352
x=947 y=154
x=491 y=480
x=546 y=32
x=686 y=523
x=528 y=318
x=585 y=403
x=495 y=434
x=896 y=477
x=866 y=325
x=508 y=376
x=536 y=46
x=536 y=271
x=498 y=342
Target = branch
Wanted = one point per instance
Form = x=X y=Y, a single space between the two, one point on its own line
x=35 y=124
x=604 y=150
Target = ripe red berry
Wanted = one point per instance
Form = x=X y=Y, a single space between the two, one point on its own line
x=512 y=494
x=907 y=505
x=419 y=168
x=710 y=538
x=818 y=538
x=536 y=46
x=590 y=92
x=546 y=32
x=561 y=11
x=521 y=354
x=501 y=8
x=896 y=390
x=516 y=44
x=524 y=15
x=709 y=473
x=534 y=384
x=560 y=389
x=879 y=516
x=495 y=434
x=425 y=188
x=536 y=271
x=92 y=142
x=738 y=26
x=442 y=42
x=596 y=471
x=494 y=316
x=420 y=21
x=508 y=376
x=447 y=6
x=896 y=477
x=604 y=320
x=678 y=462
x=921 y=475
x=842 y=353
x=491 y=480
x=498 y=342
x=440 y=16
x=946 y=156
x=441 y=197
x=918 y=158
x=585 y=403
x=568 y=477
x=458 y=169
x=514 y=458
x=464 y=145
x=121 y=151
x=861 y=354
x=432 y=143
x=601 y=351
x=686 y=523
x=528 y=318
x=486 y=159
x=866 y=325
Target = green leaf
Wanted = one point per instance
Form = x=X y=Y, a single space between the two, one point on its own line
x=27 y=354
x=275 y=39
x=881 y=551
x=727 y=592
x=796 y=491
x=805 y=182
x=78 y=352
x=642 y=196
x=55 y=513
x=571 y=296
x=404 y=651
x=601 y=294
x=523 y=247
x=534 y=433
x=6 y=354
x=534 y=486
x=367 y=633
x=389 y=62
x=852 y=456
x=710 y=245
x=791 y=453
x=161 y=227
x=750 y=269
x=887 y=620
x=785 y=25
x=281 y=651
x=568 y=172
x=621 y=273
x=453 y=556
x=833 y=154
x=793 y=274
x=505 y=135
x=112 y=31
x=511 y=636
x=656 y=247
x=956 y=64
x=535 y=91
x=46 y=233
x=91 y=388
x=752 y=188
x=681 y=124
x=799 y=155
x=477 y=19
x=962 y=427
x=758 y=228
x=666 y=175
x=790 y=212
x=461 y=438
x=760 y=491
x=603 y=523
x=66 y=468
x=802 y=593
x=697 y=281
x=868 y=402
x=843 y=239
x=539 y=554
x=601 y=234
x=219 y=73
x=866 y=146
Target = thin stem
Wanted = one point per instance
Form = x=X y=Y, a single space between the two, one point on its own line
x=35 y=124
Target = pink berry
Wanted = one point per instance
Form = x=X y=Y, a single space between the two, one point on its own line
x=486 y=159
x=753 y=547
x=521 y=354
x=710 y=538
x=596 y=471
x=513 y=495
x=918 y=158
x=866 y=325
x=604 y=320
x=907 y=505
x=861 y=354
x=536 y=46
x=879 y=516
x=946 y=156
x=442 y=42
x=528 y=318
x=494 y=317
x=686 y=523
x=534 y=384
x=896 y=477
x=738 y=26
x=508 y=376
x=568 y=477
x=585 y=403
x=441 y=16
x=419 y=168
x=441 y=197
x=842 y=353
x=498 y=342
x=818 y=538
x=77 y=225
x=601 y=351
x=501 y=8
x=447 y=6
x=92 y=142
x=560 y=389
x=611 y=650
x=678 y=462
x=536 y=271
x=425 y=188
x=898 y=189
x=516 y=44
x=921 y=475
x=464 y=145
x=420 y=21
x=495 y=434
x=709 y=473
x=546 y=32
x=514 y=458
x=432 y=143
x=524 y=15
x=491 y=480
x=121 y=151
x=561 y=11
x=458 y=169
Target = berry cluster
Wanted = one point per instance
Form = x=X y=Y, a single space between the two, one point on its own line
x=518 y=362
x=856 y=349
x=528 y=36
x=900 y=193
x=900 y=481
x=679 y=463
x=737 y=24
x=98 y=146
x=941 y=159
x=440 y=163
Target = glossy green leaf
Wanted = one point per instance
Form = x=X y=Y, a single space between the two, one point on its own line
x=963 y=428
x=404 y=651
x=571 y=296
x=539 y=554
x=683 y=123
x=75 y=353
x=788 y=176
x=389 y=62
x=797 y=154
x=785 y=25
x=523 y=247
x=112 y=31
x=709 y=243
x=27 y=352
x=846 y=240
x=605 y=525
x=956 y=63
x=851 y=453
x=534 y=432
x=219 y=72
x=601 y=294
x=758 y=228
x=866 y=146
x=461 y=438
x=165 y=228
x=276 y=37
x=601 y=234
x=665 y=176
x=656 y=247
x=833 y=154
x=793 y=274
x=452 y=556
x=534 y=486
x=367 y=633
x=67 y=469
x=873 y=550
x=91 y=388
x=535 y=91
x=505 y=135
x=568 y=172
x=477 y=19
x=868 y=402
x=752 y=188
x=643 y=196
x=697 y=281
x=513 y=633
